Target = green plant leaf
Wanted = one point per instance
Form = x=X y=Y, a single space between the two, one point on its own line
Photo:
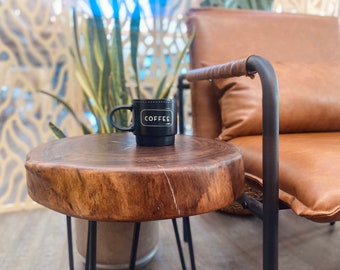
x=99 y=42
x=91 y=63
x=81 y=73
x=101 y=55
x=56 y=131
x=117 y=54
x=84 y=128
x=167 y=90
x=134 y=40
x=160 y=87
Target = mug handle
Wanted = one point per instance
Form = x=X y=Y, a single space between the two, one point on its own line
x=113 y=123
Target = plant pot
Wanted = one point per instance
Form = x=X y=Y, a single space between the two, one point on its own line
x=114 y=240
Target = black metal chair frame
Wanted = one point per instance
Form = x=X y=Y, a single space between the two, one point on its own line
x=267 y=208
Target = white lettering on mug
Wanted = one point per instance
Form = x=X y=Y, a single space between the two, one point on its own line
x=156 y=117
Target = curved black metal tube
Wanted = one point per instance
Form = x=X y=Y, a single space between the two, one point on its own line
x=181 y=86
x=270 y=158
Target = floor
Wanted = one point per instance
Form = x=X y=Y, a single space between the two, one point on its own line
x=37 y=240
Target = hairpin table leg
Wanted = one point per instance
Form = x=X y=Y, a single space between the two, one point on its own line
x=133 y=255
x=69 y=241
x=178 y=241
x=91 y=246
x=188 y=239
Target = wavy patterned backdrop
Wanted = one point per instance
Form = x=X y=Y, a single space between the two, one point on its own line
x=34 y=40
x=317 y=7
x=33 y=56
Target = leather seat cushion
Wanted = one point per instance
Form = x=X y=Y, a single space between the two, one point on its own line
x=314 y=192
x=309 y=100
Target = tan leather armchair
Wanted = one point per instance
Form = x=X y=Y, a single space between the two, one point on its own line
x=304 y=52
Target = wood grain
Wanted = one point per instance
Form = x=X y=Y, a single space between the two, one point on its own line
x=107 y=177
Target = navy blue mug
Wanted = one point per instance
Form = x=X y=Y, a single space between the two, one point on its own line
x=154 y=121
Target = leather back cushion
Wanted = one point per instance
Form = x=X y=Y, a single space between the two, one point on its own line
x=309 y=97
x=224 y=35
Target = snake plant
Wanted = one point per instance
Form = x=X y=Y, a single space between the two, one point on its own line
x=99 y=69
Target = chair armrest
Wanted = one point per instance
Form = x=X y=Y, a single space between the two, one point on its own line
x=231 y=69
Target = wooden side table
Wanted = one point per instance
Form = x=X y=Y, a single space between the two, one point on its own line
x=106 y=177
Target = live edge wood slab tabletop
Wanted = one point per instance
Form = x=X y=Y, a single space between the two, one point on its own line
x=107 y=177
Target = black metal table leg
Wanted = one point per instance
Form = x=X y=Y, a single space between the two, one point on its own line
x=91 y=246
x=92 y=243
x=134 y=248
x=178 y=241
x=69 y=241
x=188 y=238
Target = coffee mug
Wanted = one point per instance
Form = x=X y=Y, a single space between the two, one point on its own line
x=154 y=121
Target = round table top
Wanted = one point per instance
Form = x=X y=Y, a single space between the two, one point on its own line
x=107 y=177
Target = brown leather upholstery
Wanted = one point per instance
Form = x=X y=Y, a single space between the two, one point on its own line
x=309 y=172
x=305 y=53
x=309 y=100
